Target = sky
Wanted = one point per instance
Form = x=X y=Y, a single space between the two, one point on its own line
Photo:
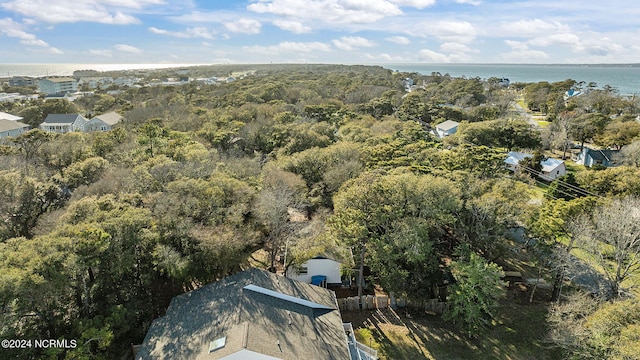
x=319 y=31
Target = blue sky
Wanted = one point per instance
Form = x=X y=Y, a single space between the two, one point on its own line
x=319 y=31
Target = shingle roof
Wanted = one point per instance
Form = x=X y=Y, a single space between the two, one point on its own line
x=8 y=125
x=254 y=311
x=602 y=155
x=110 y=118
x=61 y=118
x=447 y=125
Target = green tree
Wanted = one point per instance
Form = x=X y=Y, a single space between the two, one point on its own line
x=473 y=298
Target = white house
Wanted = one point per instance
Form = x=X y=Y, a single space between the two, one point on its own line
x=513 y=159
x=7 y=116
x=315 y=268
x=104 y=122
x=63 y=123
x=10 y=128
x=59 y=85
x=447 y=128
x=552 y=169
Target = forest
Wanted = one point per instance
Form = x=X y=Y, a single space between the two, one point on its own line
x=100 y=230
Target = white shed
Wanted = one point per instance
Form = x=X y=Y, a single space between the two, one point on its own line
x=317 y=266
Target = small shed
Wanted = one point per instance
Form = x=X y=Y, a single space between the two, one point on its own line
x=320 y=270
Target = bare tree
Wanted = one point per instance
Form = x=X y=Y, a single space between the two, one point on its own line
x=611 y=235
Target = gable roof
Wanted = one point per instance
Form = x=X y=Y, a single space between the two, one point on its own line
x=62 y=118
x=7 y=116
x=602 y=155
x=447 y=125
x=110 y=118
x=550 y=164
x=514 y=157
x=8 y=125
x=253 y=314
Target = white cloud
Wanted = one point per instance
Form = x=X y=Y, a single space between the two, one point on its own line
x=288 y=46
x=401 y=40
x=526 y=56
x=555 y=39
x=105 y=53
x=447 y=31
x=72 y=11
x=517 y=45
x=535 y=27
x=245 y=26
x=193 y=32
x=329 y=11
x=295 y=27
x=127 y=49
x=432 y=56
x=454 y=48
x=349 y=43
x=470 y=2
x=10 y=28
x=418 y=4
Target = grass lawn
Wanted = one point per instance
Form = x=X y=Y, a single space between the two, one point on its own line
x=518 y=333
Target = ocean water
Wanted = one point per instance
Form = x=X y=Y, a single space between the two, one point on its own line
x=624 y=78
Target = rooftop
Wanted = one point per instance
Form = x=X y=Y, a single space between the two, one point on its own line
x=253 y=314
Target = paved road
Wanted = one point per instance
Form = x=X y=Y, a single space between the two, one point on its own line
x=525 y=115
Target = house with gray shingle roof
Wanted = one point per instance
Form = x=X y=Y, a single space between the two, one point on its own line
x=253 y=314
x=104 y=122
x=63 y=123
x=590 y=157
x=10 y=128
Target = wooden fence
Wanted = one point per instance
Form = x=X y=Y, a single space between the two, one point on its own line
x=369 y=302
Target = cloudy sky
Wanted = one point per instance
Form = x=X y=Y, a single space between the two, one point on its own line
x=325 y=31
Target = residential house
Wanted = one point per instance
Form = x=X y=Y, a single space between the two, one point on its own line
x=447 y=128
x=253 y=314
x=319 y=270
x=58 y=85
x=513 y=159
x=7 y=116
x=9 y=128
x=22 y=81
x=590 y=157
x=63 y=123
x=104 y=122
x=552 y=169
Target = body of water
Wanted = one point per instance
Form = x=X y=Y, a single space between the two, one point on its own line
x=624 y=78
x=41 y=70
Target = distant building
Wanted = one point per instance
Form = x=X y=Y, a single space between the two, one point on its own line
x=104 y=122
x=63 y=123
x=447 y=128
x=513 y=159
x=59 y=85
x=22 y=81
x=10 y=128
